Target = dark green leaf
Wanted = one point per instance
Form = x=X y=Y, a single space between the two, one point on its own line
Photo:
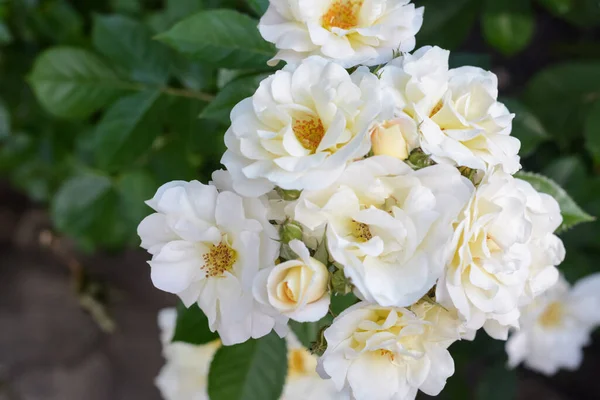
x=570 y=174
x=128 y=43
x=592 y=131
x=5 y=35
x=178 y=9
x=481 y=60
x=127 y=130
x=572 y=214
x=224 y=38
x=558 y=7
x=497 y=383
x=447 y=23
x=254 y=370
x=508 y=25
x=340 y=303
x=171 y=161
x=74 y=83
x=126 y=6
x=258 y=6
x=81 y=203
x=307 y=332
x=234 y=92
x=526 y=127
x=561 y=96
x=192 y=326
x=4 y=120
x=133 y=189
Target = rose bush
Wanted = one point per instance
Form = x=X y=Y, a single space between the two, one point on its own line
x=372 y=209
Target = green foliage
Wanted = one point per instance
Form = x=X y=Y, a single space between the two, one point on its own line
x=224 y=38
x=254 y=370
x=74 y=83
x=192 y=326
x=508 y=25
x=572 y=214
x=233 y=92
x=561 y=97
x=526 y=127
x=127 y=43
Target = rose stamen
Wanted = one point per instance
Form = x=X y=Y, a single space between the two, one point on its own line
x=309 y=132
x=342 y=14
x=219 y=259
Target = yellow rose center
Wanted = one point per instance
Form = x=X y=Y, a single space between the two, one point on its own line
x=361 y=231
x=309 y=132
x=342 y=14
x=552 y=316
x=219 y=259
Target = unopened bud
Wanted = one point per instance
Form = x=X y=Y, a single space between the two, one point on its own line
x=288 y=195
x=387 y=139
x=418 y=159
x=289 y=231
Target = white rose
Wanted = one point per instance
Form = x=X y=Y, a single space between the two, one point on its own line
x=388 y=226
x=296 y=288
x=416 y=82
x=494 y=269
x=469 y=127
x=379 y=353
x=207 y=246
x=301 y=127
x=350 y=32
x=185 y=373
x=459 y=117
x=556 y=326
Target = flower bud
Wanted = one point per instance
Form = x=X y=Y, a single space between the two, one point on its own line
x=289 y=231
x=388 y=139
x=298 y=288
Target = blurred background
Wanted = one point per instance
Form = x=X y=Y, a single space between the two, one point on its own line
x=77 y=308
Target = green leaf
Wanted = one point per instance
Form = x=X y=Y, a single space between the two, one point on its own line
x=81 y=204
x=134 y=188
x=178 y=9
x=557 y=7
x=224 y=38
x=74 y=83
x=171 y=162
x=128 y=43
x=561 y=96
x=498 y=383
x=508 y=25
x=481 y=60
x=234 y=92
x=5 y=36
x=572 y=214
x=569 y=173
x=307 y=332
x=254 y=370
x=127 y=130
x=447 y=23
x=592 y=131
x=259 y=6
x=192 y=326
x=126 y=6
x=526 y=127
x=4 y=120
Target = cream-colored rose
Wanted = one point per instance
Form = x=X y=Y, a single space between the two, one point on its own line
x=395 y=138
x=296 y=288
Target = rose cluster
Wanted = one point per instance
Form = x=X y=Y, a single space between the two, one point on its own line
x=395 y=182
